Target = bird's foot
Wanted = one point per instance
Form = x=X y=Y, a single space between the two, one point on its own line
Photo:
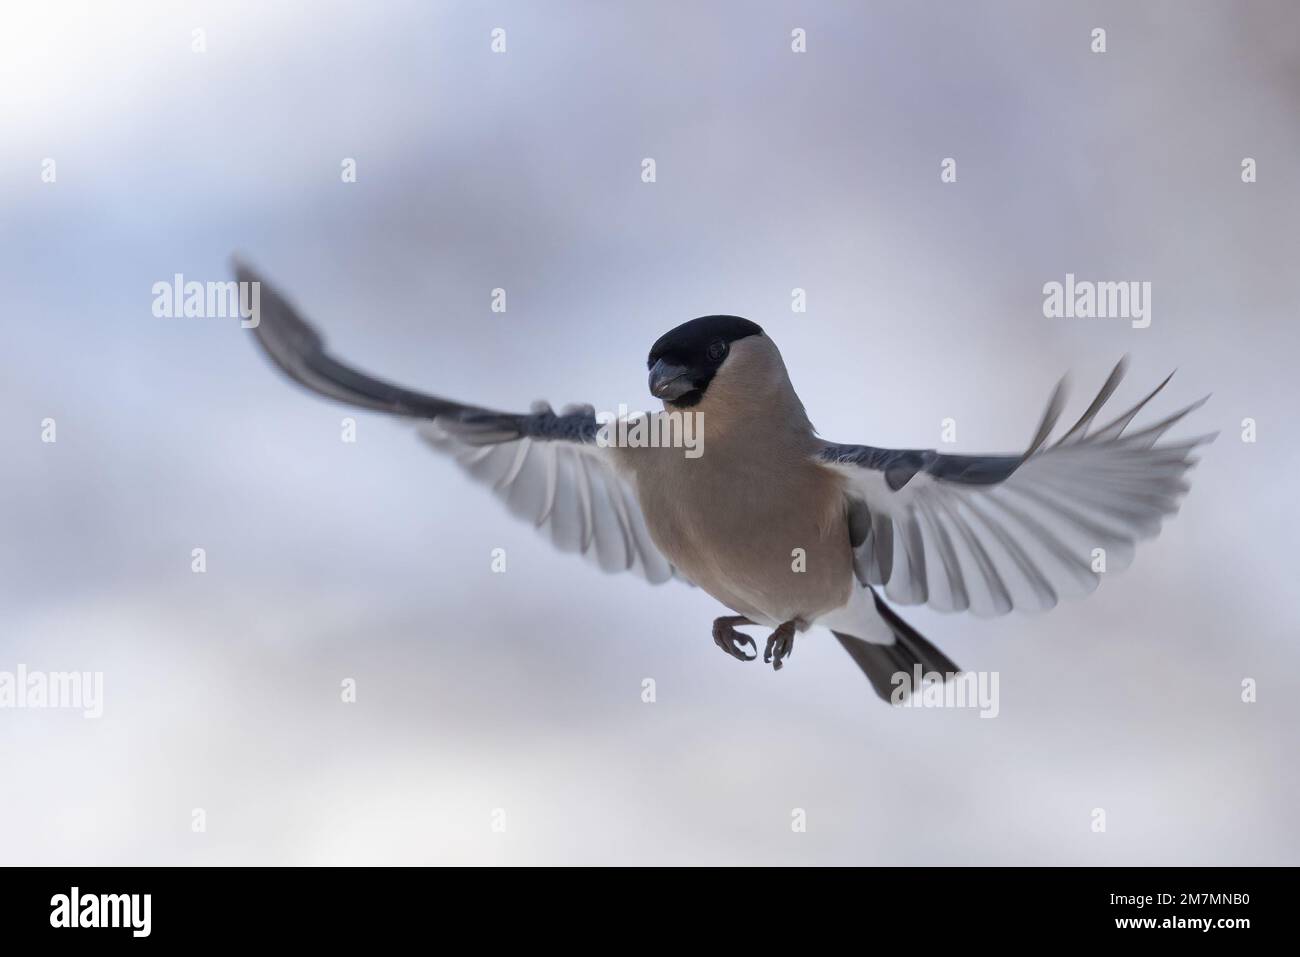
x=779 y=645
x=731 y=641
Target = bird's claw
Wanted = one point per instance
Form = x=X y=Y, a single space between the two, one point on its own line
x=731 y=641
x=780 y=644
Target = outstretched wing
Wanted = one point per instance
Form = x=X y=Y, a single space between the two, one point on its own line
x=989 y=533
x=547 y=468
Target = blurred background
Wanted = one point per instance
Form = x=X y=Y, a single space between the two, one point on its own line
x=522 y=170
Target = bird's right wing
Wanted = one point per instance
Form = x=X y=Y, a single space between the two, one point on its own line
x=570 y=490
x=548 y=469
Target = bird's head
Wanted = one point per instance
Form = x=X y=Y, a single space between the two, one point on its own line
x=684 y=361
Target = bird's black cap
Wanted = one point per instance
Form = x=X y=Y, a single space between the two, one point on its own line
x=684 y=360
x=691 y=340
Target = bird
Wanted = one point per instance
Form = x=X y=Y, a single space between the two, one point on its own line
x=788 y=531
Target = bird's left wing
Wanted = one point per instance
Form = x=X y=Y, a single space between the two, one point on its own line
x=548 y=469
x=989 y=533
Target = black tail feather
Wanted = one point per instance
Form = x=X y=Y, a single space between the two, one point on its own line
x=881 y=662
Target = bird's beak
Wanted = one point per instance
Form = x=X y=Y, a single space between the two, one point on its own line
x=669 y=381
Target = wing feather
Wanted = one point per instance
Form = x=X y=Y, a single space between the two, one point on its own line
x=547 y=469
x=993 y=533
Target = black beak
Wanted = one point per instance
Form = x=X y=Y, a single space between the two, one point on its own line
x=669 y=381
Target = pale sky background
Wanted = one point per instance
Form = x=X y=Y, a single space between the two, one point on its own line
x=522 y=691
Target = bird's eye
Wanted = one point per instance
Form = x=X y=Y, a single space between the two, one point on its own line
x=717 y=349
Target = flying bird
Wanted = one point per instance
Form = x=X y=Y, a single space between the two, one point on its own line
x=786 y=530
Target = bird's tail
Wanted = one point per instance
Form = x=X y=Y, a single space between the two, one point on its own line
x=880 y=662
